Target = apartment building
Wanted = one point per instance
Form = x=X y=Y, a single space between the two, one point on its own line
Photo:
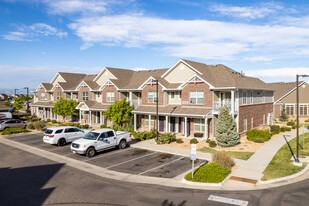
x=189 y=98
x=285 y=93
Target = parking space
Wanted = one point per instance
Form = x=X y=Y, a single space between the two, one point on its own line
x=130 y=160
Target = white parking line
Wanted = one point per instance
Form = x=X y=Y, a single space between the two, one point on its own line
x=131 y=160
x=228 y=200
x=108 y=154
x=161 y=165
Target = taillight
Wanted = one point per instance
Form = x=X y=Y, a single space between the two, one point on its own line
x=130 y=134
x=51 y=136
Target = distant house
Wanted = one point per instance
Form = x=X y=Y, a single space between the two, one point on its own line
x=4 y=97
x=285 y=93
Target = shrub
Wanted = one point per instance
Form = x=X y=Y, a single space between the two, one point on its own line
x=179 y=141
x=256 y=135
x=33 y=119
x=307 y=120
x=275 y=129
x=294 y=127
x=54 y=121
x=144 y=135
x=86 y=126
x=272 y=133
x=14 y=131
x=223 y=159
x=211 y=173
x=284 y=129
x=30 y=125
x=48 y=120
x=208 y=140
x=212 y=144
x=166 y=138
x=291 y=123
x=193 y=141
x=103 y=126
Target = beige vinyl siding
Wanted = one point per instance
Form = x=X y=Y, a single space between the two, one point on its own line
x=106 y=75
x=176 y=99
x=58 y=79
x=180 y=74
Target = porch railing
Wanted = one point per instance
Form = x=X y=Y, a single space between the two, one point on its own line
x=218 y=104
x=135 y=103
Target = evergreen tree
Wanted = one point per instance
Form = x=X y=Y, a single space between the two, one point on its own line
x=65 y=107
x=283 y=116
x=119 y=112
x=226 y=129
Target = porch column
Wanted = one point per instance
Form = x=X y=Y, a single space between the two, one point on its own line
x=149 y=116
x=206 y=127
x=71 y=95
x=166 y=124
x=89 y=117
x=80 y=116
x=101 y=119
x=233 y=103
x=130 y=96
x=185 y=125
x=176 y=125
x=37 y=112
x=135 y=122
x=44 y=113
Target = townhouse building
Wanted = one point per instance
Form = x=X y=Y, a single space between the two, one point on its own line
x=285 y=94
x=189 y=98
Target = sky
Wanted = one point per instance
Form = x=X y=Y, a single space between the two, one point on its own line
x=38 y=38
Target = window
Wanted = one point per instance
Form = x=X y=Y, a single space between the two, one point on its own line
x=43 y=96
x=289 y=109
x=196 y=97
x=303 y=109
x=251 y=122
x=110 y=134
x=110 y=96
x=251 y=97
x=59 y=131
x=152 y=97
x=179 y=95
x=244 y=97
x=172 y=95
x=69 y=130
x=245 y=124
x=85 y=96
x=152 y=123
x=199 y=125
x=58 y=95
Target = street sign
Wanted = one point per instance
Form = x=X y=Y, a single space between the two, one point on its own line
x=193 y=149
x=193 y=156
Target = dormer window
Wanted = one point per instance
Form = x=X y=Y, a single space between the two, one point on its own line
x=110 y=96
x=43 y=96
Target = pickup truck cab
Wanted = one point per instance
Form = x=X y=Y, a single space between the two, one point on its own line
x=99 y=140
x=63 y=135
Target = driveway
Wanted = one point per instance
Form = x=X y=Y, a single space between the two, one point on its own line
x=130 y=160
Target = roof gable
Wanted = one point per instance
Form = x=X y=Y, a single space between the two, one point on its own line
x=57 y=78
x=292 y=92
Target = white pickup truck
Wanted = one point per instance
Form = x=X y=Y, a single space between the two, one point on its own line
x=99 y=140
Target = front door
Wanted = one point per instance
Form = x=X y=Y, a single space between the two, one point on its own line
x=161 y=124
x=172 y=127
x=179 y=125
x=98 y=117
x=188 y=126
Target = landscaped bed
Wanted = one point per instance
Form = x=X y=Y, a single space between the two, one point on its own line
x=282 y=165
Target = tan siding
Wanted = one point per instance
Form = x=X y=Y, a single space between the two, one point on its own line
x=106 y=75
x=303 y=95
x=180 y=74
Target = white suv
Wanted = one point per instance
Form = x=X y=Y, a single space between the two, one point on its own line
x=62 y=135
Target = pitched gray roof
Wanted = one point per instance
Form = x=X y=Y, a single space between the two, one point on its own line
x=47 y=86
x=282 y=88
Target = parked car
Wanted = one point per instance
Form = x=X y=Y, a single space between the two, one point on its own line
x=12 y=123
x=99 y=140
x=5 y=115
x=63 y=135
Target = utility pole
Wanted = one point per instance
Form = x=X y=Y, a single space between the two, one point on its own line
x=15 y=91
x=27 y=110
x=157 y=109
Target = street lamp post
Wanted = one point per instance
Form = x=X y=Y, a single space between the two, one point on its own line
x=15 y=91
x=297 y=116
x=157 y=109
x=27 y=110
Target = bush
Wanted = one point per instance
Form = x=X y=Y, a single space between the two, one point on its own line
x=54 y=121
x=211 y=173
x=48 y=120
x=272 y=133
x=294 y=127
x=208 y=140
x=14 y=131
x=223 y=159
x=193 y=141
x=179 y=141
x=258 y=136
x=144 y=135
x=291 y=123
x=166 y=138
x=103 y=126
x=86 y=126
x=212 y=144
x=33 y=119
x=275 y=129
x=36 y=125
x=284 y=129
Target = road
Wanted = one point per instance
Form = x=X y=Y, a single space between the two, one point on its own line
x=27 y=179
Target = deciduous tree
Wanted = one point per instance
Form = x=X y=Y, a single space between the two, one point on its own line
x=119 y=112
x=65 y=107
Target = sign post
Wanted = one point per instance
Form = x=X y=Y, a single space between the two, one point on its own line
x=193 y=156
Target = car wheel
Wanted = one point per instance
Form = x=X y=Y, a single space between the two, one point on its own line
x=122 y=144
x=61 y=142
x=90 y=152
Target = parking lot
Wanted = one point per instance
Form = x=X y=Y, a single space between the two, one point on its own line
x=130 y=160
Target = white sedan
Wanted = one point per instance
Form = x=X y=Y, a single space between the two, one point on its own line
x=63 y=135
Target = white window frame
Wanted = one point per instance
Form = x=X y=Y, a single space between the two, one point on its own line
x=251 y=122
x=199 y=125
x=244 y=98
x=43 y=97
x=172 y=95
x=59 y=96
x=245 y=124
x=147 y=121
x=152 y=97
x=196 y=96
x=84 y=96
x=290 y=106
x=305 y=106
x=110 y=96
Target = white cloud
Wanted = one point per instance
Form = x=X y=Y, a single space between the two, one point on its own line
x=247 y=12
x=195 y=38
x=257 y=59
x=34 y=31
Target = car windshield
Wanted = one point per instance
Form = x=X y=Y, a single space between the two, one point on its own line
x=91 y=135
x=48 y=131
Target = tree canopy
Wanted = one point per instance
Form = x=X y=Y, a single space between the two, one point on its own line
x=283 y=116
x=18 y=103
x=65 y=107
x=119 y=112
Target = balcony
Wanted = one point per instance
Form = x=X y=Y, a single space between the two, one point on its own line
x=135 y=103
x=218 y=104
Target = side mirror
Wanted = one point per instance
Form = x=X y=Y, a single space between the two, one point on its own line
x=100 y=139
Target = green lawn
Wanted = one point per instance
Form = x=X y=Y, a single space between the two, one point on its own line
x=282 y=165
x=238 y=155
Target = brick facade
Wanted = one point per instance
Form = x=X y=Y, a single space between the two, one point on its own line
x=257 y=111
x=110 y=88
x=152 y=88
x=80 y=93
x=200 y=86
x=277 y=111
x=58 y=89
x=42 y=90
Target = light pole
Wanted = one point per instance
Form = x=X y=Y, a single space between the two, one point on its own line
x=15 y=91
x=297 y=116
x=27 y=110
x=157 y=109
